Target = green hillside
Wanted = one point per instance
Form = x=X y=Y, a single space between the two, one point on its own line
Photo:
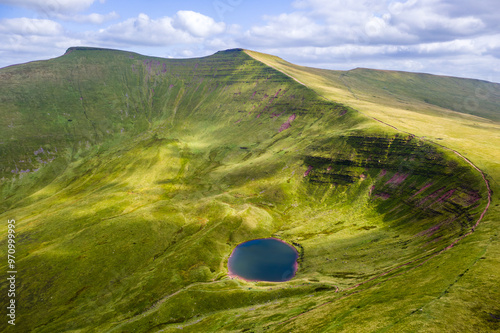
x=466 y=96
x=132 y=179
x=415 y=91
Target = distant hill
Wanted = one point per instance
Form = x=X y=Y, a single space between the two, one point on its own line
x=475 y=97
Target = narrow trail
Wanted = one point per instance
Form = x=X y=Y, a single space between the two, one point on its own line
x=156 y=305
x=425 y=258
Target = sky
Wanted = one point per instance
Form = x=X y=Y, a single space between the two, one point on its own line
x=445 y=37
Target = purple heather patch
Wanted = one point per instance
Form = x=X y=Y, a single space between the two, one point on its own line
x=429 y=232
x=472 y=198
x=432 y=230
x=423 y=189
x=383 y=196
x=431 y=196
x=284 y=126
x=287 y=123
x=447 y=195
x=309 y=169
x=397 y=179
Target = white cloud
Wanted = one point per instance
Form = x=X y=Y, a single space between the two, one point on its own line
x=145 y=31
x=51 y=7
x=286 y=29
x=197 y=24
x=337 y=8
x=493 y=47
x=27 y=26
x=458 y=46
x=217 y=44
x=22 y=45
x=379 y=31
x=65 y=10
x=325 y=23
x=430 y=19
x=374 y=21
x=93 y=18
x=184 y=28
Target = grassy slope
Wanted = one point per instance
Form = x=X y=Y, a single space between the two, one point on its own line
x=166 y=165
x=465 y=279
x=389 y=97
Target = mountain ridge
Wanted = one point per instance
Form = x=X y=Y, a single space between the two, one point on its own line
x=143 y=188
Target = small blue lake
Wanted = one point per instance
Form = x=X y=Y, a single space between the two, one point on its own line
x=266 y=259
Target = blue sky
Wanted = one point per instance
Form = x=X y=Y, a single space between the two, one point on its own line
x=447 y=37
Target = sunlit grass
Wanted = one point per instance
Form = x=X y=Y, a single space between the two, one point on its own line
x=131 y=230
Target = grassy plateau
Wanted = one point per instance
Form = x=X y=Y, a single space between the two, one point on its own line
x=132 y=178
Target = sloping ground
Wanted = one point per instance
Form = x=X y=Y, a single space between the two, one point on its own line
x=418 y=91
x=456 y=291
x=391 y=101
x=132 y=178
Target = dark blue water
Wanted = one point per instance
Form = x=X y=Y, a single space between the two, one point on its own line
x=266 y=259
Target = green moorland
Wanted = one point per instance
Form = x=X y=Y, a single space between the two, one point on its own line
x=132 y=178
